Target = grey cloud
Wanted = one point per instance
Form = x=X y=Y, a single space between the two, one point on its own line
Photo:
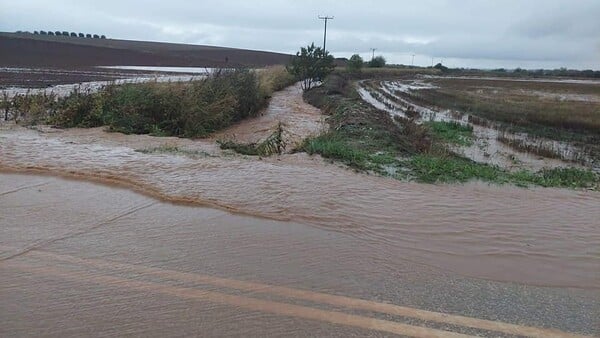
x=509 y=32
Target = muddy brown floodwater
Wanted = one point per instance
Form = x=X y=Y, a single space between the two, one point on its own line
x=538 y=236
x=81 y=259
x=290 y=220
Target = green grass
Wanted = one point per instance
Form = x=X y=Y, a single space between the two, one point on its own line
x=452 y=132
x=450 y=169
x=430 y=168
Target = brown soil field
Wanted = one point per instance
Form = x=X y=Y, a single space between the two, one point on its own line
x=29 y=50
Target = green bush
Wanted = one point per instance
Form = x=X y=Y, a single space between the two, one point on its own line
x=355 y=64
x=311 y=65
x=191 y=109
x=377 y=62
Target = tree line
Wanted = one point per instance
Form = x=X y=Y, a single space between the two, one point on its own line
x=65 y=33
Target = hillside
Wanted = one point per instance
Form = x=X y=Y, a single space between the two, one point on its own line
x=29 y=50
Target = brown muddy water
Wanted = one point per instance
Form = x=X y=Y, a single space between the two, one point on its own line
x=299 y=121
x=83 y=259
x=547 y=237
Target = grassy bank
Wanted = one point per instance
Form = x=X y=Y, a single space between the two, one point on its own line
x=184 y=109
x=368 y=139
x=359 y=135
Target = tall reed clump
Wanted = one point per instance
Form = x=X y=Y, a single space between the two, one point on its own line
x=274 y=78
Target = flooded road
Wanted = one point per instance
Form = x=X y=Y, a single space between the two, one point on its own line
x=84 y=259
x=476 y=229
x=287 y=245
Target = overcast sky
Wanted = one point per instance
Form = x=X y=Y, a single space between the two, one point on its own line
x=462 y=33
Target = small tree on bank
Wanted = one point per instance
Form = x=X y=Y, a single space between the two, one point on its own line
x=355 y=64
x=311 y=64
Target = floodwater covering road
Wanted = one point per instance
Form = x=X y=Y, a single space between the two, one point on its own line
x=288 y=245
x=84 y=259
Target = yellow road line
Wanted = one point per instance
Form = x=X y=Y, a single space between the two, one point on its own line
x=342 y=301
x=241 y=302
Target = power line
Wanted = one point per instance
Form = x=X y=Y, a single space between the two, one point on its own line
x=325 y=18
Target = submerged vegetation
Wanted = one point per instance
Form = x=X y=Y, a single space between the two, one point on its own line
x=368 y=139
x=274 y=144
x=184 y=109
x=173 y=149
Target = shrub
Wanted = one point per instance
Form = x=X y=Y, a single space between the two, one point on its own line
x=441 y=67
x=377 y=62
x=102 y=36
x=96 y=36
x=311 y=64
x=355 y=64
x=190 y=109
x=81 y=35
x=43 y=33
x=89 y=36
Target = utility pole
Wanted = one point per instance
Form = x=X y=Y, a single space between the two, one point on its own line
x=373 y=50
x=325 y=18
x=413 y=60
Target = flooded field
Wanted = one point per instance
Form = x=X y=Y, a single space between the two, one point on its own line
x=492 y=142
x=61 y=90
x=188 y=70
x=43 y=77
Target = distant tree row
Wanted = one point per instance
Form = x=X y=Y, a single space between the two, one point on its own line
x=65 y=33
x=559 y=72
